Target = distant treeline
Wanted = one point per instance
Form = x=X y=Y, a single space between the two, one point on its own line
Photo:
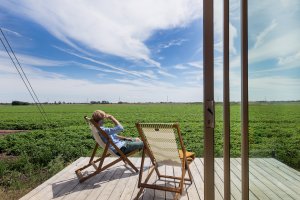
x=99 y=102
x=18 y=103
x=15 y=103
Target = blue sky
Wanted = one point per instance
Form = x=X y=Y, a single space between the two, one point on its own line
x=141 y=51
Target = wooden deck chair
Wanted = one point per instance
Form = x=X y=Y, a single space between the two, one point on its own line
x=160 y=145
x=95 y=129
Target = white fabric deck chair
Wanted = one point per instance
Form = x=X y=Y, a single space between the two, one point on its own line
x=160 y=145
x=95 y=129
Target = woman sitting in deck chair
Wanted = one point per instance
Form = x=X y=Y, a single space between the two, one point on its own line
x=125 y=144
x=111 y=142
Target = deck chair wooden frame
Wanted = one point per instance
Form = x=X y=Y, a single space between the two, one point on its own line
x=95 y=129
x=147 y=150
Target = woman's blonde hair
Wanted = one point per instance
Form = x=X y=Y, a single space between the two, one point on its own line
x=98 y=115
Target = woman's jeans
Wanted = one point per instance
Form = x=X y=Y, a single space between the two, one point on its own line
x=130 y=146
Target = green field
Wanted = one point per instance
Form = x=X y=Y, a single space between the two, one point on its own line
x=27 y=159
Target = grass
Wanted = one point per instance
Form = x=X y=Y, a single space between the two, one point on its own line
x=27 y=159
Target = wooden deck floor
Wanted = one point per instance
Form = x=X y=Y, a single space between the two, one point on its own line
x=269 y=179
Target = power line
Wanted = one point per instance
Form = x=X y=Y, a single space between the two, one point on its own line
x=36 y=101
x=23 y=80
x=23 y=72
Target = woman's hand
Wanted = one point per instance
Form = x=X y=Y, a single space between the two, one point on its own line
x=108 y=116
x=134 y=139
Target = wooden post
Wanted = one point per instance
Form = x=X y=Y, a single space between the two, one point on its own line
x=208 y=84
x=244 y=100
x=226 y=102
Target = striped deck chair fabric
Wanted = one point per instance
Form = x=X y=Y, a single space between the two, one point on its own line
x=160 y=144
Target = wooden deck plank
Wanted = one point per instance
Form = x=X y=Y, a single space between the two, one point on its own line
x=122 y=182
x=81 y=190
x=278 y=171
x=294 y=174
x=136 y=190
x=263 y=177
x=70 y=167
x=218 y=195
x=177 y=172
x=252 y=195
x=197 y=169
x=169 y=182
x=293 y=183
x=283 y=173
x=159 y=194
x=131 y=184
x=276 y=179
x=256 y=180
x=112 y=174
x=219 y=172
x=93 y=183
x=49 y=191
x=269 y=179
x=265 y=183
x=235 y=183
x=111 y=185
x=256 y=187
x=256 y=190
x=219 y=183
x=147 y=192
x=72 y=189
x=190 y=189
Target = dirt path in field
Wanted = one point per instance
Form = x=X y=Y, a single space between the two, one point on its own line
x=5 y=132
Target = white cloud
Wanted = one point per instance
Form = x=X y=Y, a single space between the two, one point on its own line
x=235 y=9
x=7 y=66
x=290 y=61
x=176 y=42
x=274 y=88
x=290 y=4
x=40 y=62
x=147 y=74
x=145 y=83
x=196 y=64
x=190 y=65
x=165 y=73
x=181 y=66
x=114 y=27
x=11 y=32
x=81 y=90
x=218 y=28
x=194 y=75
x=91 y=67
x=143 y=86
x=284 y=64
x=233 y=34
x=262 y=36
x=283 y=45
x=273 y=37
